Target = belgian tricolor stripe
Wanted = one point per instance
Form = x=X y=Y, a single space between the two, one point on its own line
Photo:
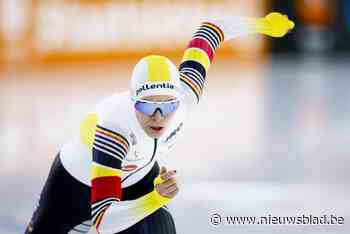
x=99 y=208
x=98 y=218
x=110 y=143
x=112 y=137
x=104 y=191
x=204 y=45
x=198 y=57
x=216 y=29
x=109 y=150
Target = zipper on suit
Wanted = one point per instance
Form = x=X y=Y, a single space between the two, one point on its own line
x=154 y=153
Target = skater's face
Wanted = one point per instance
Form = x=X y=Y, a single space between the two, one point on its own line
x=155 y=124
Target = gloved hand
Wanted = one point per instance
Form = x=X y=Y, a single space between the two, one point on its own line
x=274 y=24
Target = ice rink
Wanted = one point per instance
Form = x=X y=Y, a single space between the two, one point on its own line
x=267 y=139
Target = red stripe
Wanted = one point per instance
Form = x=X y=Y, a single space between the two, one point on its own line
x=202 y=44
x=106 y=187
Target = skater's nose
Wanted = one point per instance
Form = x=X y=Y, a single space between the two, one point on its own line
x=157 y=116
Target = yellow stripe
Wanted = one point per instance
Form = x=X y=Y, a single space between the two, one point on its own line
x=150 y=202
x=87 y=129
x=197 y=55
x=98 y=171
x=158 y=69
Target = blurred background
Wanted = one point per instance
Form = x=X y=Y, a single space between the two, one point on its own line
x=271 y=135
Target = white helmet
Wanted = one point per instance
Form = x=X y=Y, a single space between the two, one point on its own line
x=155 y=75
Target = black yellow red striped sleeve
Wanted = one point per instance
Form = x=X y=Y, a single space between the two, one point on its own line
x=208 y=37
x=198 y=56
x=108 y=151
